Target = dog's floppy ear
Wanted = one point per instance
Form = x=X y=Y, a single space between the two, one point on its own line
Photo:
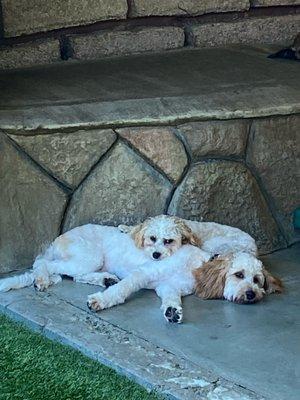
x=272 y=283
x=211 y=277
x=137 y=233
x=187 y=234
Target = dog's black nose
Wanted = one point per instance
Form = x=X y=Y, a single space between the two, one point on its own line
x=250 y=294
x=156 y=255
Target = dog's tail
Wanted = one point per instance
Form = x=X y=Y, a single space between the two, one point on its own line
x=16 y=282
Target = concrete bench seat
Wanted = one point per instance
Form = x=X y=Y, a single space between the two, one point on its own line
x=210 y=134
x=164 y=88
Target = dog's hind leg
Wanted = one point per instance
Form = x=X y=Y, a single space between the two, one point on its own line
x=170 y=302
x=104 y=279
x=48 y=272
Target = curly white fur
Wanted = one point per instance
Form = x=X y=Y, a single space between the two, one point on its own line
x=102 y=255
x=171 y=278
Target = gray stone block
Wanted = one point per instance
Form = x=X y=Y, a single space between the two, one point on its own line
x=67 y=156
x=250 y=31
x=23 y=17
x=108 y=43
x=274 y=150
x=226 y=192
x=216 y=138
x=31 y=209
x=160 y=146
x=30 y=54
x=121 y=189
x=141 y=8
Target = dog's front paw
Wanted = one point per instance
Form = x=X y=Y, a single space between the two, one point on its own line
x=94 y=303
x=173 y=315
x=41 y=283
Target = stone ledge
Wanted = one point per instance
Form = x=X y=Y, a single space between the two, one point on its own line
x=24 y=17
x=156 y=89
x=268 y=30
x=30 y=54
x=108 y=43
x=142 y=8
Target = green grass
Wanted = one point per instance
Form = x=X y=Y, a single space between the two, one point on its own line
x=35 y=368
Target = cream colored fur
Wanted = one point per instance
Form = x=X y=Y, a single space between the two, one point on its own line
x=101 y=255
x=238 y=277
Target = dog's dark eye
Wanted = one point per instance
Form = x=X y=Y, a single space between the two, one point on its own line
x=168 y=241
x=239 y=275
x=153 y=239
x=255 y=280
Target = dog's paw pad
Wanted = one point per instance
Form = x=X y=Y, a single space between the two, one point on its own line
x=110 y=282
x=173 y=315
x=94 y=305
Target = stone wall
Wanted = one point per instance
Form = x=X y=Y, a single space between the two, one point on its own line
x=216 y=170
x=37 y=32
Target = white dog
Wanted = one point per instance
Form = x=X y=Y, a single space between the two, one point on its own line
x=172 y=278
x=236 y=275
x=101 y=255
x=212 y=237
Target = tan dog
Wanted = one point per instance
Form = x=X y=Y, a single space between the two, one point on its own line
x=238 y=277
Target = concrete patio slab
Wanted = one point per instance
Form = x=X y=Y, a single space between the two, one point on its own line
x=165 y=88
x=221 y=351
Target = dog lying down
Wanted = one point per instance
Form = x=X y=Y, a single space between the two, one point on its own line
x=237 y=275
x=145 y=258
x=102 y=255
x=240 y=278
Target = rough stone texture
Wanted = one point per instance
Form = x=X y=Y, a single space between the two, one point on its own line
x=249 y=31
x=121 y=189
x=30 y=54
x=160 y=146
x=39 y=15
x=141 y=8
x=267 y=3
x=274 y=150
x=69 y=157
x=150 y=89
x=225 y=192
x=216 y=138
x=119 y=42
x=31 y=209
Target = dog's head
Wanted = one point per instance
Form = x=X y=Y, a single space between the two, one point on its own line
x=239 y=277
x=161 y=236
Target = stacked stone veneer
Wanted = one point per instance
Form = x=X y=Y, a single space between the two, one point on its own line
x=237 y=172
x=36 y=32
